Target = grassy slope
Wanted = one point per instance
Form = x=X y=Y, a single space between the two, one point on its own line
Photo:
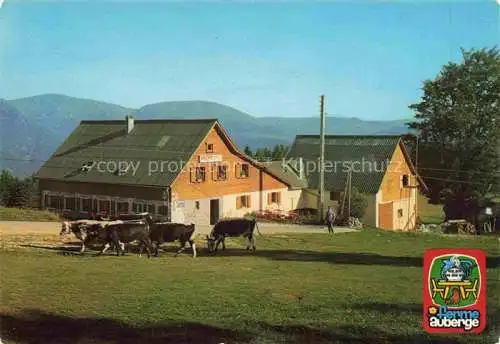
x=348 y=288
x=16 y=214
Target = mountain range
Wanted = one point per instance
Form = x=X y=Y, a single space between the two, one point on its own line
x=32 y=128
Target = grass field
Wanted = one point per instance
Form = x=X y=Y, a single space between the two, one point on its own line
x=305 y=288
x=19 y=214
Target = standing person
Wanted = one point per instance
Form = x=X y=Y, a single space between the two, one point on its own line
x=330 y=218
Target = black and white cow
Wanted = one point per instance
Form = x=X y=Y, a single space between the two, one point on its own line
x=231 y=228
x=127 y=232
x=86 y=231
x=163 y=232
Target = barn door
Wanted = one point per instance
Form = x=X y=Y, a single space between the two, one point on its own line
x=214 y=211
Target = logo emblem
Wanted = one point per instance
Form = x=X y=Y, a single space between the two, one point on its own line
x=454 y=291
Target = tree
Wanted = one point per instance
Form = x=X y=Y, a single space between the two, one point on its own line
x=15 y=192
x=248 y=151
x=457 y=121
x=358 y=204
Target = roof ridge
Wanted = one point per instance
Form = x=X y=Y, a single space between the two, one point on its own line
x=350 y=136
x=117 y=121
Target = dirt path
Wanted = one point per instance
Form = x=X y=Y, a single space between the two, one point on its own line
x=16 y=234
x=26 y=227
x=53 y=228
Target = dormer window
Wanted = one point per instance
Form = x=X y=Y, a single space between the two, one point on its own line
x=209 y=147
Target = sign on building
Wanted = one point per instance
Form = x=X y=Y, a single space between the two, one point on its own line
x=210 y=158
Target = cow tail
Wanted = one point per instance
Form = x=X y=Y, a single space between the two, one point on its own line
x=258 y=231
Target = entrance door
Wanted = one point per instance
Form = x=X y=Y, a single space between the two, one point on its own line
x=214 y=211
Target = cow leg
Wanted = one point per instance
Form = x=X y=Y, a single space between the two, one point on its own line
x=252 y=240
x=249 y=243
x=147 y=243
x=193 y=246
x=217 y=243
x=82 y=249
x=223 y=243
x=154 y=245
x=105 y=248
x=181 y=248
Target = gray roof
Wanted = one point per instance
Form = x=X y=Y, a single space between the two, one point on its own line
x=372 y=152
x=287 y=171
x=150 y=141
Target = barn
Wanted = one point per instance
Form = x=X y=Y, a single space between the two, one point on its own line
x=186 y=170
x=380 y=169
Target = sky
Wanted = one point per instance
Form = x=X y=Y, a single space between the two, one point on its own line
x=369 y=59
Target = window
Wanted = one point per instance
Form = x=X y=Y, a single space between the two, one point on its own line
x=70 y=203
x=138 y=207
x=400 y=212
x=210 y=147
x=122 y=208
x=243 y=202
x=163 y=210
x=113 y=208
x=87 y=204
x=274 y=197
x=56 y=202
x=244 y=171
x=104 y=206
x=221 y=172
x=200 y=174
x=197 y=204
x=405 y=180
x=334 y=195
x=151 y=208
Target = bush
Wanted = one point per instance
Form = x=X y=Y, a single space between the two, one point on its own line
x=358 y=205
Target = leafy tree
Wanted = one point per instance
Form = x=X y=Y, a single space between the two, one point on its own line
x=459 y=133
x=248 y=151
x=15 y=192
x=358 y=204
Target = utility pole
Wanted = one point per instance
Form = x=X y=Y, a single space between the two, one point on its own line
x=349 y=199
x=416 y=183
x=321 y=186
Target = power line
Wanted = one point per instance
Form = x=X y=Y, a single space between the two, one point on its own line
x=453 y=180
x=456 y=170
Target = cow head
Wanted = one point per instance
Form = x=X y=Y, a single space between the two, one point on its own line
x=65 y=228
x=211 y=240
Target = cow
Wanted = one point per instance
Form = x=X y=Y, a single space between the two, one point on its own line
x=231 y=228
x=163 y=232
x=85 y=230
x=127 y=232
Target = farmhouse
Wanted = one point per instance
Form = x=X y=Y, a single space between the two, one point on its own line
x=187 y=170
x=380 y=169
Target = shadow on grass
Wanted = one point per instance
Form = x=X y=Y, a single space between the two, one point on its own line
x=93 y=250
x=350 y=258
x=38 y=327
x=330 y=257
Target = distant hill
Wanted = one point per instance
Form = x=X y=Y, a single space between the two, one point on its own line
x=34 y=127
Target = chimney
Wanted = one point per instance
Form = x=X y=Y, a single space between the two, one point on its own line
x=130 y=123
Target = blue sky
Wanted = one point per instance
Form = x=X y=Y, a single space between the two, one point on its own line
x=369 y=59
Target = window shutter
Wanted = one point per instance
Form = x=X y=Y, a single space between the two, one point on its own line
x=191 y=175
x=238 y=202
x=279 y=197
x=249 y=203
x=214 y=169
x=269 y=198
